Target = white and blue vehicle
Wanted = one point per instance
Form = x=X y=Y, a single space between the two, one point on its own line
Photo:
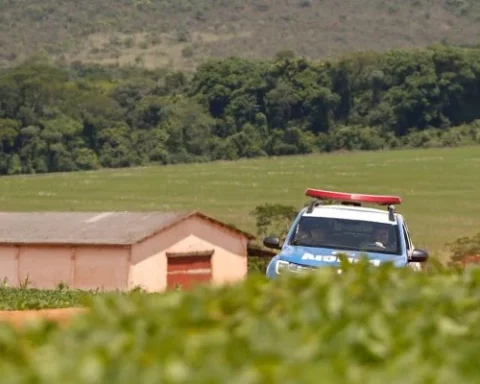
x=336 y=223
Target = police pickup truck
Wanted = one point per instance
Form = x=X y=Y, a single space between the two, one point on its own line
x=336 y=223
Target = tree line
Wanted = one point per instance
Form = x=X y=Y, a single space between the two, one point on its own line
x=78 y=117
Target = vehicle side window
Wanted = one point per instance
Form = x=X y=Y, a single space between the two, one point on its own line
x=408 y=242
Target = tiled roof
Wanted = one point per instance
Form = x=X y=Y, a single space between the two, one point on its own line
x=106 y=228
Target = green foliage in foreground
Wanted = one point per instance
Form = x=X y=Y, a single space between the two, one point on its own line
x=366 y=325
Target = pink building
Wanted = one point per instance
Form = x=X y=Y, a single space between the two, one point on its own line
x=120 y=250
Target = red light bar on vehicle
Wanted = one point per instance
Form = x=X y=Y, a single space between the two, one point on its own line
x=352 y=197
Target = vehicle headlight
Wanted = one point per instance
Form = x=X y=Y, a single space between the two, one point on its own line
x=282 y=266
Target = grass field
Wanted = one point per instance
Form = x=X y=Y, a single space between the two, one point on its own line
x=440 y=188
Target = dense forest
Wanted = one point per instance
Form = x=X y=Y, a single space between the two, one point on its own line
x=77 y=117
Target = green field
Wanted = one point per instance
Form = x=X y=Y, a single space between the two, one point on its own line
x=440 y=188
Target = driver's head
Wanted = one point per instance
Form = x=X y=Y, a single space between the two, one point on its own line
x=382 y=235
x=317 y=233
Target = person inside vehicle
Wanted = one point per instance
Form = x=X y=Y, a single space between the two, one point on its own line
x=382 y=238
x=312 y=236
x=317 y=235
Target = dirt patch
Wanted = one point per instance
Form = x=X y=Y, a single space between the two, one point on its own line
x=62 y=316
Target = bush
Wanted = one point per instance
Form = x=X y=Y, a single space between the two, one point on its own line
x=374 y=325
x=465 y=249
x=274 y=218
x=257 y=264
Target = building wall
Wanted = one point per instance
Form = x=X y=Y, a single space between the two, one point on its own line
x=148 y=264
x=9 y=265
x=45 y=266
x=149 y=261
x=101 y=267
x=84 y=267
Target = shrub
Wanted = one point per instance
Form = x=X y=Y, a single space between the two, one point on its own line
x=374 y=325
x=465 y=249
x=274 y=218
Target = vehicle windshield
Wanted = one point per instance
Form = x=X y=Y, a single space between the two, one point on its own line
x=342 y=234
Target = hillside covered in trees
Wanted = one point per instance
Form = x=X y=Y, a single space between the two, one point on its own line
x=78 y=117
x=182 y=33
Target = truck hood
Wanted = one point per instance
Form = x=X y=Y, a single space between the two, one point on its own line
x=326 y=257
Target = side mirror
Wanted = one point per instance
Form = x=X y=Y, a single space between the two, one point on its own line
x=419 y=255
x=272 y=242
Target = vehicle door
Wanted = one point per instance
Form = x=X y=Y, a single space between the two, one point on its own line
x=409 y=248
